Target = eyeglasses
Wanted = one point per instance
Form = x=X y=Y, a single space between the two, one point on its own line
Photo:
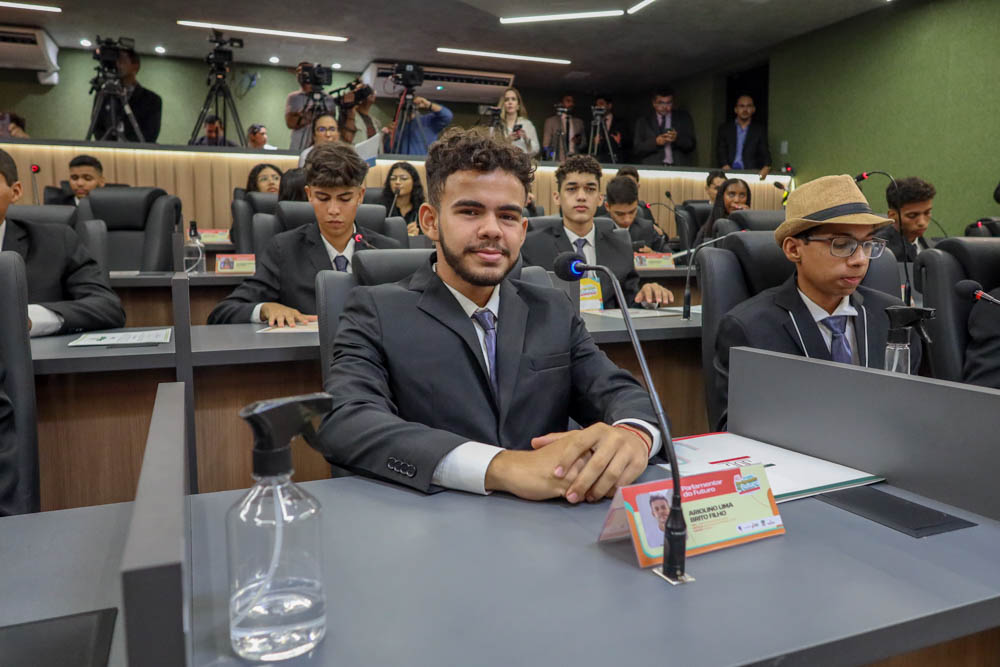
x=845 y=246
x=324 y=129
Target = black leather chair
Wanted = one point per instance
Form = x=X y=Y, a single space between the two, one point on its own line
x=58 y=196
x=954 y=259
x=373 y=195
x=18 y=377
x=241 y=232
x=239 y=193
x=984 y=227
x=754 y=221
x=332 y=290
x=140 y=225
x=686 y=229
x=61 y=214
x=387 y=266
x=742 y=266
x=539 y=211
x=543 y=221
x=698 y=209
x=419 y=242
x=372 y=216
x=93 y=233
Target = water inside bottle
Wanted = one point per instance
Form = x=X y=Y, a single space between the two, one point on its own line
x=286 y=620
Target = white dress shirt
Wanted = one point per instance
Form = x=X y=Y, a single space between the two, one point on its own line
x=844 y=308
x=44 y=322
x=464 y=468
x=332 y=252
x=590 y=249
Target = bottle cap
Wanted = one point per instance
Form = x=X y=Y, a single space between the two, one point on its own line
x=275 y=422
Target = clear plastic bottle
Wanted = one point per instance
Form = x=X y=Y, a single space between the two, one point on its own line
x=194 y=251
x=897 y=358
x=277 y=608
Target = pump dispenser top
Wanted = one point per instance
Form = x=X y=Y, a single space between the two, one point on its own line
x=275 y=422
x=904 y=318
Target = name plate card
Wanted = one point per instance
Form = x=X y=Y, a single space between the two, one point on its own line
x=590 y=294
x=654 y=260
x=722 y=509
x=235 y=263
x=214 y=235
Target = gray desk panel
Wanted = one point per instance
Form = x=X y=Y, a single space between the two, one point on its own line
x=455 y=579
x=612 y=330
x=676 y=272
x=223 y=344
x=51 y=355
x=65 y=562
x=162 y=279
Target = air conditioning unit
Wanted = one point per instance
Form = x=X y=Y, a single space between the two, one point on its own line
x=29 y=48
x=443 y=84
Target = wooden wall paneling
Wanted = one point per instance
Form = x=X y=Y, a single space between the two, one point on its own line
x=145 y=170
x=204 y=190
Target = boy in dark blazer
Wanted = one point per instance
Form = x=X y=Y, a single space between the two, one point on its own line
x=282 y=291
x=910 y=201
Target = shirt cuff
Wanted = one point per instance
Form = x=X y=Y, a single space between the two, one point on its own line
x=653 y=432
x=464 y=468
x=44 y=322
x=255 y=315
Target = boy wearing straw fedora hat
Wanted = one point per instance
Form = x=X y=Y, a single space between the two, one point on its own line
x=822 y=311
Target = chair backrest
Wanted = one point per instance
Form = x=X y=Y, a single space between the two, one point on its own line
x=539 y=211
x=332 y=290
x=544 y=221
x=686 y=229
x=263 y=202
x=387 y=266
x=372 y=216
x=536 y=275
x=17 y=378
x=984 y=227
x=698 y=209
x=292 y=214
x=758 y=221
x=952 y=260
x=263 y=228
x=419 y=242
x=239 y=193
x=53 y=213
x=241 y=233
x=140 y=225
x=52 y=195
x=395 y=228
x=373 y=195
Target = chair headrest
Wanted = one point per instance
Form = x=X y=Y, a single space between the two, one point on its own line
x=239 y=193
x=763 y=262
x=544 y=221
x=373 y=195
x=699 y=209
x=371 y=216
x=376 y=267
x=758 y=221
x=979 y=258
x=263 y=202
x=54 y=214
x=292 y=214
x=123 y=208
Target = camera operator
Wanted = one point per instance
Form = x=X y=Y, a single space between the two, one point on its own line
x=563 y=130
x=422 y=130
x=146 y=105
x=358 y=124
x=301 y=107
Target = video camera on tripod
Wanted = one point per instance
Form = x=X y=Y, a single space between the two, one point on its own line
x=107 y=52
x=220 y=58
x=111 y=93
x=598 y=112
x=408 y=75
x=219 y=101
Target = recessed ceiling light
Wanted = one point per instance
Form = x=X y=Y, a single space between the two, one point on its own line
x=273 y=60
x=635 y=8
x=86 y=43
x=159 y=49
x=563 y=17
x=507 y=56
x=262 y=31
x=36 y=8
x=337 y=65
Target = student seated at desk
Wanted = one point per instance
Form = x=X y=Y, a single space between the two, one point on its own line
x=821 y=311
x=67 y=291
x=910 y=201
x=982 y=354
x=461 y=378
x=578 y=194
x=283 y=289
x=622 y=202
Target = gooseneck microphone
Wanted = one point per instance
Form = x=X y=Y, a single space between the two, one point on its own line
x=395 y=195
x=570 y=267
x=686 y=313
x=970 y=289
x=34 y=182
x=360 y=238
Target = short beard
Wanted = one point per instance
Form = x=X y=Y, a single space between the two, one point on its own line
x=454 y=260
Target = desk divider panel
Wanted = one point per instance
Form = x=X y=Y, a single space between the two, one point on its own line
x=932 y=437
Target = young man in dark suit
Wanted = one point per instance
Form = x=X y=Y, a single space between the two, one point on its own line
x=622 y=203
x=821 y=311
x=665 y=136
x=982 y=354
x=911 y=202
x=578 y=194
x=460 y=377
x=67 y=291
x=742 y=143
x=282 y=291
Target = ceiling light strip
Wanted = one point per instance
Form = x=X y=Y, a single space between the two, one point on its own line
x=36 y=8
x=563 y=17
x=635 y=8
x=505 y=56
x=262 y=31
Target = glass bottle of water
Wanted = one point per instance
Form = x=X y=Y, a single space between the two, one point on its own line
x=277 y=609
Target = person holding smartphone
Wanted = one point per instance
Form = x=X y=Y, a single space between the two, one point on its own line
x=515 y=122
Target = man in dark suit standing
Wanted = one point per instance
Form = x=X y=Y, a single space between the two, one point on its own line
x=147 y=107
x=982 y=354
x=622 y=202
x=742 y=143
x=911 y=201
x=282 y=291
x=67 y=291
x=460 y=377
x=664 y=137
x=578 y=194
x=821 y=311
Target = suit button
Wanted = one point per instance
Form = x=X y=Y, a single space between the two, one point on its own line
x=411 y=470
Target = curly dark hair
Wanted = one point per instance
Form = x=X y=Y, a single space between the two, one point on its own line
x=473 y=150
x=335 y=165
x=908 y=191
x=255 y=172
x=416 y=196
x=578 y=164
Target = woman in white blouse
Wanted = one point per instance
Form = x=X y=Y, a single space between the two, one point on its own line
x=515 y=123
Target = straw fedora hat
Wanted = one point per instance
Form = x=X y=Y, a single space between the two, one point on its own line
x=827 y=200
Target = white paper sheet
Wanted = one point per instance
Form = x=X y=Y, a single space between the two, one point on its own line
x=152 y=337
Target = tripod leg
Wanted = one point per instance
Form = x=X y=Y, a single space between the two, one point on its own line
x=95 y=114
x=231 y=103
x=201 y=115
x=132 y=121
x=607 y=138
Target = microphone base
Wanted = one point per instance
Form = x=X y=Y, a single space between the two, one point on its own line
x=684 y=578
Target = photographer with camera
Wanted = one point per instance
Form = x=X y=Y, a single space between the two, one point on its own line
x=303 y=105
x=563 y=132
x=357 y=124
x=422 y=129
x=147 y=107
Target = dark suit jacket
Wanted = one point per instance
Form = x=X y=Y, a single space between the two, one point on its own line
x=8 y=455
x=643 y=233
x=286 y=274
x=982 y=354
x=756 y=154
x=63 y=277
x=643 y=212
x=896 y=244
x=768 y=321
x=404 y=396
x=148 y=110
x=542 y=246
x=644 y=148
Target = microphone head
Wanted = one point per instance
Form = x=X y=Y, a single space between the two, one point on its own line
x=565 y=266
x=967 y=289
x=359 y=237
x=667 y=193
x=863 y=176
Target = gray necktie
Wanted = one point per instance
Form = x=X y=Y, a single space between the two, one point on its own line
x=488 y=321
x=580 y=243
x=340 y=263
x=840 y=348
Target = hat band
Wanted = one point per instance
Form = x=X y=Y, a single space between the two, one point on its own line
x=838 y=211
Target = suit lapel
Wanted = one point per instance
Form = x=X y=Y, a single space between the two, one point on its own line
x=511 y=325
x=316 y=250
x=604 y=250
x=861 y=333
x=15 y=239
x=800 y=325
